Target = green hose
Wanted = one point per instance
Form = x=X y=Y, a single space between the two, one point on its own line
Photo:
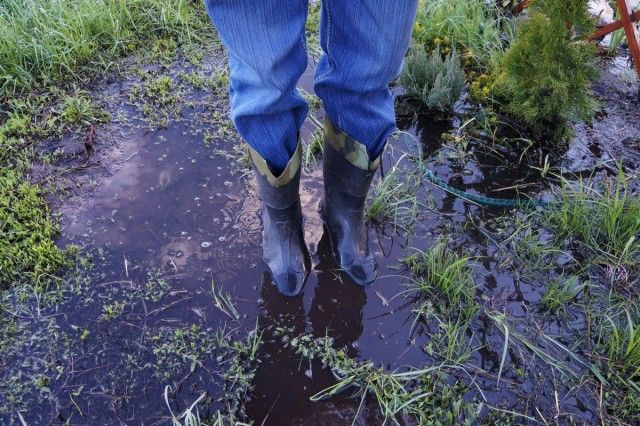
x=485 y=201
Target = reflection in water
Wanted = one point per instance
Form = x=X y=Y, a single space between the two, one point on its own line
x=337 y=305
x=284 y=383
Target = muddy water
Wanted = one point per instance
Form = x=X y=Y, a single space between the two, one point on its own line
x=166 y=201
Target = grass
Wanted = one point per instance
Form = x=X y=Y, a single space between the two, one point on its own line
x=43 y=42
x=442 y=271
x=444 y=285
x=475 y=27
x=27 y=250
x=421 y=394
x=393 y=200
x=623 y=343
x=561 y=292
x=603 y=219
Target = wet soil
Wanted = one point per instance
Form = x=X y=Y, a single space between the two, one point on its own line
x=175 y=201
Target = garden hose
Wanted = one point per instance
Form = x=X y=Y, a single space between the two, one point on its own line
x=482 y=200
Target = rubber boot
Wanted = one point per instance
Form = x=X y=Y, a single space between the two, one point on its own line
x=283 y=245
x=348 y=172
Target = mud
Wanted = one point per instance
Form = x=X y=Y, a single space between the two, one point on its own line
x=166 y=200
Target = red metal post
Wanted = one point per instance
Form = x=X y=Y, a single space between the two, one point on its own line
x=630 y=31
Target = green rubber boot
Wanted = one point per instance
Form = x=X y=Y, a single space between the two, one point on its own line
x=348 y=172
x=283 y=245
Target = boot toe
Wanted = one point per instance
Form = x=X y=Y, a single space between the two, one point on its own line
x=363 y=272
x=290 y=282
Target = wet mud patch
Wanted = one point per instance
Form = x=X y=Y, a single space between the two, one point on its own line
x=171 y=300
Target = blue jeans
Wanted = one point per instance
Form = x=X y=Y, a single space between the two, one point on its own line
x=364 y=43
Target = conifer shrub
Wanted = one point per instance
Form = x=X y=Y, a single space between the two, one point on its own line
x=434 y=81
x=544 y=77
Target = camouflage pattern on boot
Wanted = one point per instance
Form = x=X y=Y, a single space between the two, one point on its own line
x=283 y=246
x=348 y=172
x=352 y=150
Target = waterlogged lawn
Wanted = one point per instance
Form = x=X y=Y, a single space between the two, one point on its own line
x=133 y=289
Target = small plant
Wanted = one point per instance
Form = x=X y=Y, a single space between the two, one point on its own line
x=441 y=272
x=544 y=77
x=312 y=148
x=444 y=284
x=27 y=248
x=561 y=292
x=623 y=344
x=423 y=394
x=475 y=28
x=160 y=90
x=605 y=221
x=80 y=110
x=435 y=82
x=393 y=198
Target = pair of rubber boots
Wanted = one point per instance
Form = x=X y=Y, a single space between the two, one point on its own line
x=348 y=172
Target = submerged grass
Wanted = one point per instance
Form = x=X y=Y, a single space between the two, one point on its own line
x=424 y=395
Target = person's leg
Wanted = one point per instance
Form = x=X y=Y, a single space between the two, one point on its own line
x=265 y=43
x=364 y=43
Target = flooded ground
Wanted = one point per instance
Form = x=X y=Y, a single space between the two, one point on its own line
x=169 y=216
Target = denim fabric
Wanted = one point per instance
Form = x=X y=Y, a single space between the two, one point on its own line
x=364 y=42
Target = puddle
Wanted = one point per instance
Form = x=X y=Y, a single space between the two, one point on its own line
x=166 y=200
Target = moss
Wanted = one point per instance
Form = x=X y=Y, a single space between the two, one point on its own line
x=27 y=249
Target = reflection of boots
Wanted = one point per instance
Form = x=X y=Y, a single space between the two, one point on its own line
x=336 y=309
x=348 y=172
x=282 y=236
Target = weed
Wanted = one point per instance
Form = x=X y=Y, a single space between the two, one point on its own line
x=443 y=282
x=224 y=302
x=623 y=343
x=534 y=251
x=195 y=79
x=190 y=416
x=475 y=27
x=441 y=272
x=554 y=355
x=160 y=90
x=605 y=222
x=393 y=198
x=112 y=310
x=79 y=110
x=561 y=292
x=27 y=250
x=435 y=82
x=240 y=358
x=425 y=395
x=312 y=148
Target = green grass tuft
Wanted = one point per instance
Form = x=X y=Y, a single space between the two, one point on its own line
x=42 y=42
x=475 y=28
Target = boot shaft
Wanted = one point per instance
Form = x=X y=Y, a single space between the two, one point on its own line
x=282 y=191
